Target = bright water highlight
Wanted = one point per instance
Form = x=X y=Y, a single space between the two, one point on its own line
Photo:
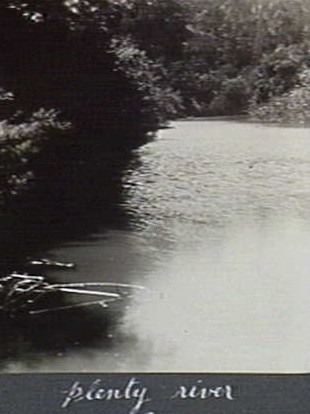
x=219 y=234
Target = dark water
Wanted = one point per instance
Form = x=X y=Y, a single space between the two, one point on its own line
x=217 y=229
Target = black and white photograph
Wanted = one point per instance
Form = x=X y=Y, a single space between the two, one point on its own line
x=154 y=187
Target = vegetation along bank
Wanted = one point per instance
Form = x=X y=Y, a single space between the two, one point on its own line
x=82 y=82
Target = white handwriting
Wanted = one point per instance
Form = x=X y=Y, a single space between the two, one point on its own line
x=131 y=391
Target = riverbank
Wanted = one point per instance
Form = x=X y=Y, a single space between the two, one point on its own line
x=75 y=188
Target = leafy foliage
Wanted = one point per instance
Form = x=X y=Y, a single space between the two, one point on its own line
x=18 y=144
x=157 y=99
x=64 y=55
x=239 y=52
x=114 y=69
x=290 y=107
x=78 y=60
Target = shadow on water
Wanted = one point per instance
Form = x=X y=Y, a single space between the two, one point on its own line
x=77 y=191
x=33 y=337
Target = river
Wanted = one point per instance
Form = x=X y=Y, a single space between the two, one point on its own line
x=218 y=232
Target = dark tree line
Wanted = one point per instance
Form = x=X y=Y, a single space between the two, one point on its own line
x=245 y=56
x=80 y=76
x=69 y=69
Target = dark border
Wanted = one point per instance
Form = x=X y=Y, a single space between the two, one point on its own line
x=250 y=393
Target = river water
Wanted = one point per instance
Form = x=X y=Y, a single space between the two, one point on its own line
x=218 y=232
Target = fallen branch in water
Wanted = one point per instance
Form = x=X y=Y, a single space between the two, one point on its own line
x=22 y=294
x=77 y=305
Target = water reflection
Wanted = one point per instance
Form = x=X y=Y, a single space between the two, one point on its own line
x=218 y=232
x=232 y=293
x=90 y=199
x=237 y=302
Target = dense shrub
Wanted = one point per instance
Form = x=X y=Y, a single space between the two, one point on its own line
x=158 y=101
x=19 y=142
x=290 y=107
x=74 y=57
x=117 y=69
x=240 y=53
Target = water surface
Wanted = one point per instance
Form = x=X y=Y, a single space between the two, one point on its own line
x=219 y=219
